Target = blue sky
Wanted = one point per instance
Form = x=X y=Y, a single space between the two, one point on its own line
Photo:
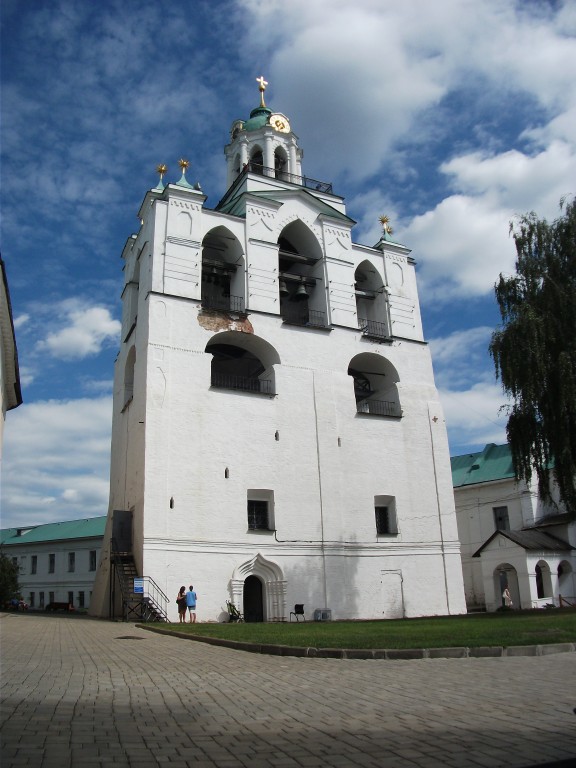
x=452 y=117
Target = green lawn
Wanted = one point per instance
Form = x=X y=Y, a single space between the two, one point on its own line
x=494 y=629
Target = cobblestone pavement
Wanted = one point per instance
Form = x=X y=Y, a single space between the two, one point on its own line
x=94 y=693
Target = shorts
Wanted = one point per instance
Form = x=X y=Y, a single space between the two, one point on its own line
x=192 y=607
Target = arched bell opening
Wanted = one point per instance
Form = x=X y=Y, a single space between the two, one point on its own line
x=371 y=302
x=242 y=362
x=375 y=385
x=222 y=271
x=301 y=286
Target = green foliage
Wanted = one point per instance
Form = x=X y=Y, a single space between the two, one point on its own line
x=489 y=629
x=9 y=586
x=534 y=352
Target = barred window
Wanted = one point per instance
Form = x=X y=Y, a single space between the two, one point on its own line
x=501 y=520
x=386 y=524
x=257 y=515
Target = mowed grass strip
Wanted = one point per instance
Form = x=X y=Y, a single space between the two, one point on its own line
x=472 y=631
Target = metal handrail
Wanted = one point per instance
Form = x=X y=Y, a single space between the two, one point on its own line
x=373 y=329
x=301 y=315
x=242 y=383
x=228 y=303
x=379 y=408
x=291 y=178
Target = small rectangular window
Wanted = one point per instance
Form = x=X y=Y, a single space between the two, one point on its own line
x=50 y=597
x=385 y=513
x=260 y=507
x=33 y=564
x=71 y=562
x=41 y=596
x=51 y=563
x=31 y=602
x=501 y=520
x=15 y=561
x=257 y=515
x=81 y=599
x=70 y=598
x=382 y=520
x=92 y=560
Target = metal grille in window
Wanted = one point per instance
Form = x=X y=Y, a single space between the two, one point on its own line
x=384 y=521
x=501 y=518
x=257 y=515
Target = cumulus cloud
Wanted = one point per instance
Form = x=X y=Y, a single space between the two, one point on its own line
x=85 y=332
x=474 y=416
x=58 y=455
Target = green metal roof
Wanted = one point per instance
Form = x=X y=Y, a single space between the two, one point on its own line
x=492 y=463
x=258 y=119
x=92 y=527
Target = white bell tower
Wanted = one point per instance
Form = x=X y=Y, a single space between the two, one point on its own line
x=264 y=144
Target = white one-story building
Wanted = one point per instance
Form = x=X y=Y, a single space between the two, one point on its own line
x=509 y=537
x=277 y=434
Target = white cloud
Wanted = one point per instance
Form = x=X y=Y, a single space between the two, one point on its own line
x=87 y=331
x=474 y=416
x=21 y=320
x=56 y=461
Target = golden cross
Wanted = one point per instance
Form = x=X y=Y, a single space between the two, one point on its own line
x=262 y=88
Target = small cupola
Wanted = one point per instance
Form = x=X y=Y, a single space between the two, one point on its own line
x=263 y=144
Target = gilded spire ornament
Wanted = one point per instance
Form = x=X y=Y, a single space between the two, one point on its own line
x=161 y=169
x=386 y=228
x=262 y=87
x=184 y=165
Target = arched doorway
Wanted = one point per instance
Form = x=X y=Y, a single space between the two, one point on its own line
x=506 y=576
x=253 y=604
x=271 y=589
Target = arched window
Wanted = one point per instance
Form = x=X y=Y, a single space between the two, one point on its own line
x=257 y=160
x=222 y=273
x=242 y=362
x=375 y=385
x=281 y=164
x=301 y=277
x=371 y=302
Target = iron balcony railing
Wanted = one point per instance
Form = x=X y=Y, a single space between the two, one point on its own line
x=272 y=173
x=298 y=315
x=291 y=178
x=227 y=303
x=379 y=408
x=373 y=329
x=242 y=383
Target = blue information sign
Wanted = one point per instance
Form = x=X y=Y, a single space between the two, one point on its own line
x=139 y=586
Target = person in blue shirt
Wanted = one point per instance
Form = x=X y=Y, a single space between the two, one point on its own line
x=191 y=603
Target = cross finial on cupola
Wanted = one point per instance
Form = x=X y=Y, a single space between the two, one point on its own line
x=262 y=87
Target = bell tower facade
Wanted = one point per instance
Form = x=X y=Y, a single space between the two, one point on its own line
x=277 y=434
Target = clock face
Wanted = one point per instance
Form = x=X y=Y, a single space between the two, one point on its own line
x=280 y=123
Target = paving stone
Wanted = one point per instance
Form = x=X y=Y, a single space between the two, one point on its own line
x=74 y=694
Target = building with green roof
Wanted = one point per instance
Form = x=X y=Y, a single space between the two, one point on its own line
x=509 y=537
x=57 y=561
